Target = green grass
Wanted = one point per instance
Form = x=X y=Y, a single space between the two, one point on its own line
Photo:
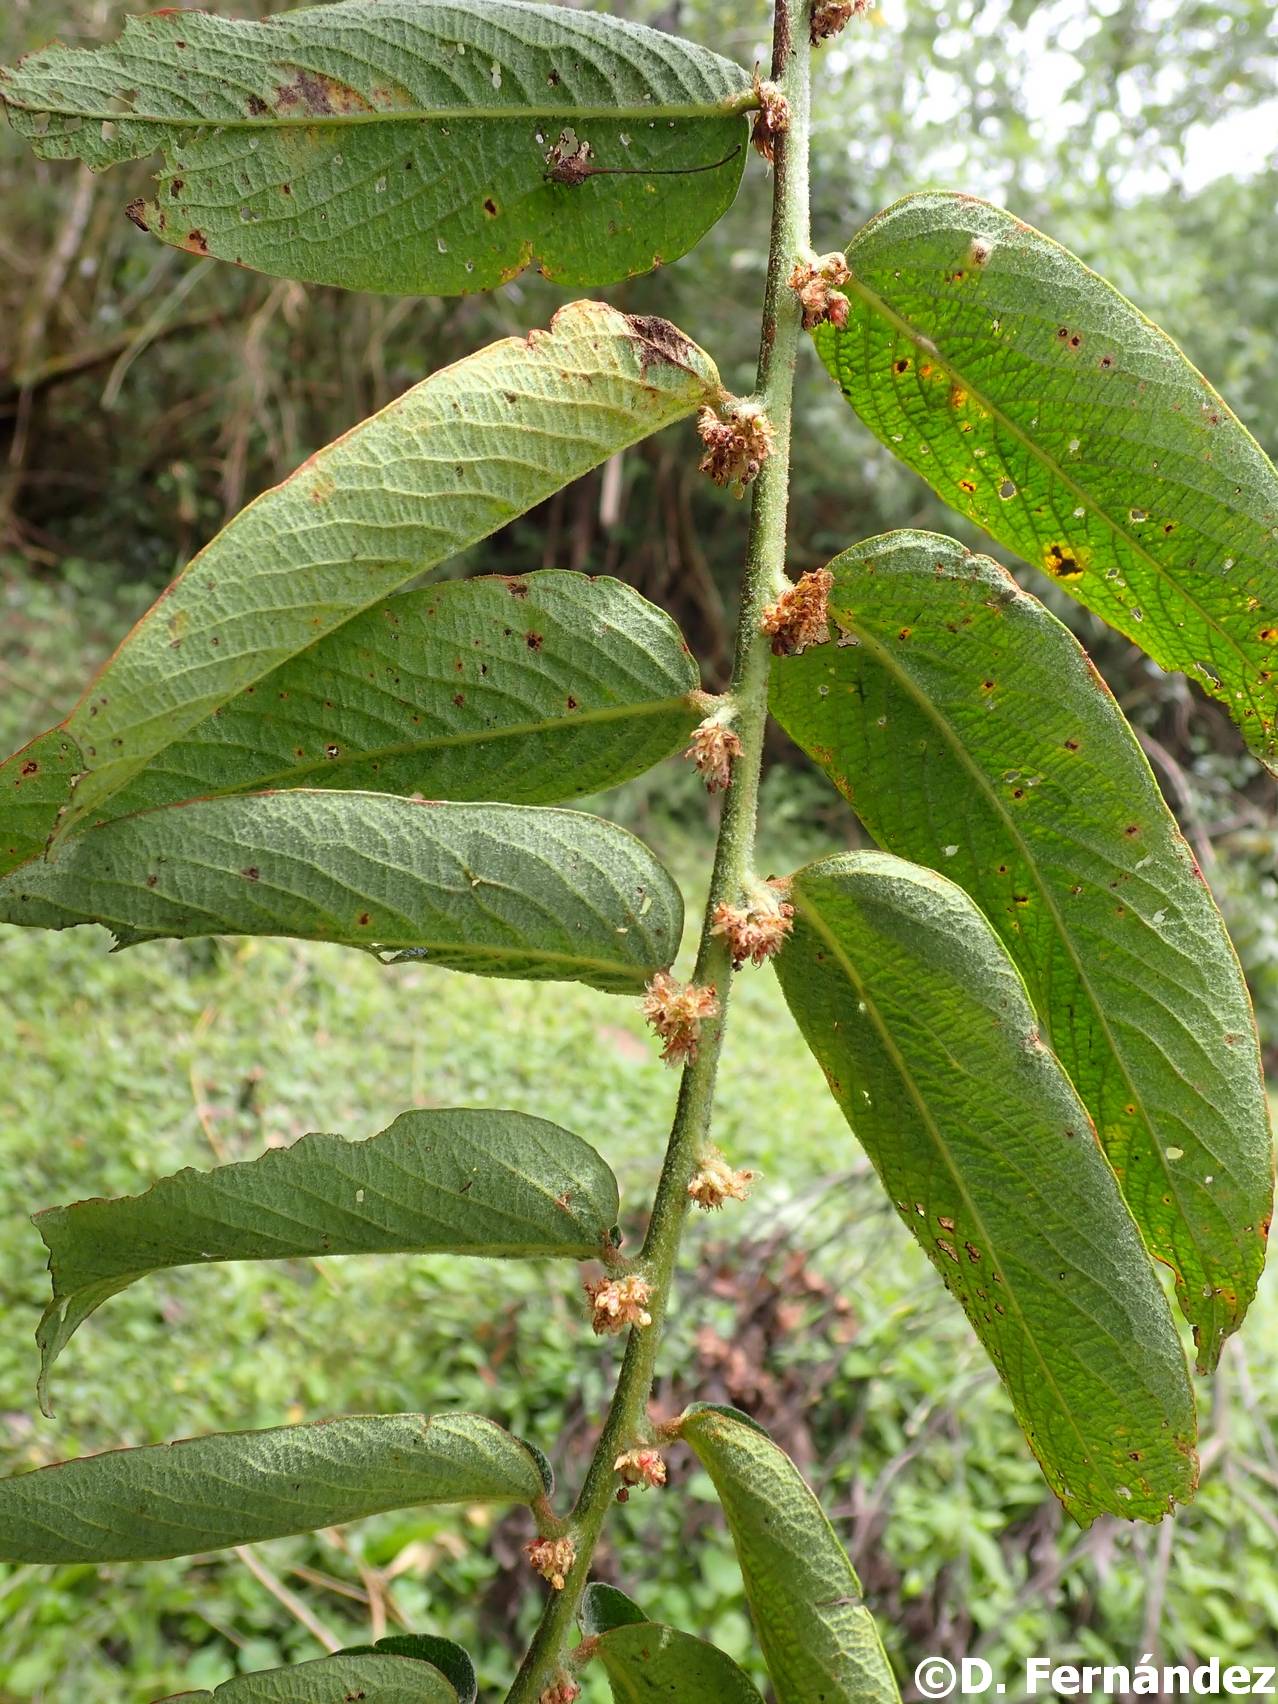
x=117 y=1068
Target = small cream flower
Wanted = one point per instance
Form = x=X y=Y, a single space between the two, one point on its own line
x=676 y=1011
x=716 y=1182
x=552 y=1558
x=713 y=748
x=618 y=1303
x=641 y=1467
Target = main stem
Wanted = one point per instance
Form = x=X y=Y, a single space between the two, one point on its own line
x=734 y=850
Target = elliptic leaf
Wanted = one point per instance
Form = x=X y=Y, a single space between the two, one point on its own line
x=644 y=1660
x=449 y=462
x=451 y=1659
x=460 y=1181
x=1035 y=399
x=405 y=145
x=922 y=1026
x=604 y=1607
x=499 y=890
x=971 y=733
x=240 y=1487
x=818 y=1637
x=528 y=691
x=372 y=1678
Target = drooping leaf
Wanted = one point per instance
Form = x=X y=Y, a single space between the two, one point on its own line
x=449 y=462
x=604 y=1607
x=452 y=1660
x=526 y=690
x=644 y=1660
x=240 y=1487
x=498 y=890
x=371 y=1678
x=971 y=733
x=460 y=1181
x=922 y=1026
x=818 y=1637
x=405 y=145
x=1035 y=399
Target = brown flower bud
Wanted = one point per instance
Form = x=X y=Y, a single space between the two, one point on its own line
x=564 y=1691
x=815 y=283
x=829 y=17
x=799 y=617
x=676 y=1011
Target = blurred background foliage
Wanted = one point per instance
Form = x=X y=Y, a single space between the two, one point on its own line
x=144 y=397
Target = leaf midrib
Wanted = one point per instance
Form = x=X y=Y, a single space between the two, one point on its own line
x=730 y=106
x=444 y=742
x=813 y=916
x=922 y=341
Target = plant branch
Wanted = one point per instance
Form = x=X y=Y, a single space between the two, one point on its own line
x=734 y=851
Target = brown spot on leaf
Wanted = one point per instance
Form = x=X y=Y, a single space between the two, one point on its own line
x=490 y=207
x=534 y=641
x=251 y=874
x=659 y=342
x=1061 y=561
x=136 y=210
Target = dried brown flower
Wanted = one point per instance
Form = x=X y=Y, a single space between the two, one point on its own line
x=641 y=1467
x=738 y=440
x=799 y=617
x=564 y=1691
x=830 y=16
x=676 y=1011
x=816 y=284
x=772 y=119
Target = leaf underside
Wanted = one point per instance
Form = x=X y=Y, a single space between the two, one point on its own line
x=525 y=691
x=928 y=1042
x=372 y=1678
x=497 y=890
x=458 y=1181
x=971 y=733
x=644 y=1660
x=200 y=1494
x=1038 y=401
x=445 y=465
x=404 y=145
x=818 y=1637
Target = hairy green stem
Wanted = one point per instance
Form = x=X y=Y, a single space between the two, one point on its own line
x=734 y=851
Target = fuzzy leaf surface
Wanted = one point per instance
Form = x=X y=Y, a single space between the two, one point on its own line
x=458 y=1181
x=445 y=465
x=230 y=1488
x=922 y=1026
x=527 y=691
x=971 y=733
x=372 y=1678
x=403 y=145
x=497 y=890
x=818 y=1637
x=645 y=1661
x=1038 y=401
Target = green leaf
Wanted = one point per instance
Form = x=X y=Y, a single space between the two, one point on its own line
x=450 y=462
x=451 y=1659
x=524 y=690
x=460 y=1181
x=646 y=1661
x=971 y=733
x=372 y=1678
x=818 y=1637
x=404 y=145
x=498 y=890
x=1036 y=400
x=604 y=1607
x=922 y=1026
x=230 y=1488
